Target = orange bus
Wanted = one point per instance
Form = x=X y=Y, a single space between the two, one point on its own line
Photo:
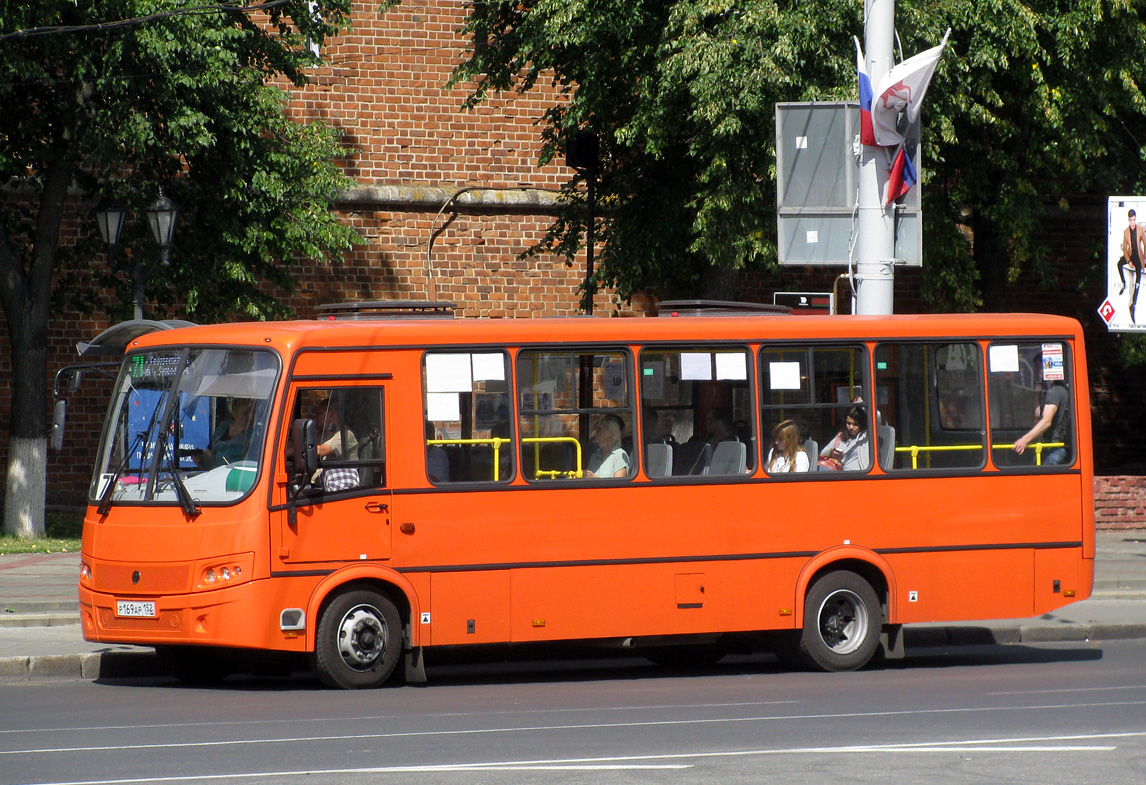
x=381 y=480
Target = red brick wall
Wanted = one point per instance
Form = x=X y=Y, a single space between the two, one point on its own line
x=1120 y=502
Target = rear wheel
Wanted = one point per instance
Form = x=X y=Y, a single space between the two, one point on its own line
x=842 y=621
x=359 y=640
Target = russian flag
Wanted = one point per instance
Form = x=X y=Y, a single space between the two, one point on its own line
x=902 y=177
x=867 y=132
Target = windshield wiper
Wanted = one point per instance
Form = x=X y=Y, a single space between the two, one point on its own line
x=190 y=508
x=109 y=491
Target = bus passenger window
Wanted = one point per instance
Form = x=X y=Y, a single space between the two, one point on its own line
x=696 y=412
x=469 y=423
x=576 y=416
x=1032 y=405
x=349 y=422
x=817 y=397
x=931 y=406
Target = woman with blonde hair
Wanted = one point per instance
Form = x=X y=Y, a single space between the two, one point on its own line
x=787 y=451
x=609 y=459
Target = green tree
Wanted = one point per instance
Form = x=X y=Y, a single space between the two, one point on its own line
x=1032 y=99
x=119 y=99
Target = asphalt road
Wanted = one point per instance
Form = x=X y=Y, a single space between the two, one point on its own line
x=1068 y=712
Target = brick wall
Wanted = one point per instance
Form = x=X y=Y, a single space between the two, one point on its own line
x=1120 y=502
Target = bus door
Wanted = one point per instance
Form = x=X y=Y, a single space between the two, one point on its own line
x=343 y=510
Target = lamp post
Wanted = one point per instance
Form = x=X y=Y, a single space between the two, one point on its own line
x=582 y=153
x=161 y=215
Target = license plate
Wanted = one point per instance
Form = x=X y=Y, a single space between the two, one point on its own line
x=134 y=609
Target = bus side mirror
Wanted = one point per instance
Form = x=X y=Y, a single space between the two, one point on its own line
x=59 y=415
x=305 y=440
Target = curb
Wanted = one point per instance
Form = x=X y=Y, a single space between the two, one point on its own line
x=144 y=662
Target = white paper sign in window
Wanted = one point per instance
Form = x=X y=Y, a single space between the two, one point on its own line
x=1052 y=363
x=448 y=373
x=1004 y=358
x=732 y=366
x=784 y=376
x=696 y=366
x=443 y=406
x=489 y=367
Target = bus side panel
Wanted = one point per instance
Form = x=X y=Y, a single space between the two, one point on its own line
x=964 y=585
x=1061 y=577
x=608 y=601
x=470 y=607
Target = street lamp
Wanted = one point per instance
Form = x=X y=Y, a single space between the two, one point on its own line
x=161 y=215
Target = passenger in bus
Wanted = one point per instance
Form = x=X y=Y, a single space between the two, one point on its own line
x=787 y=451
x=1053 y=420
x=340 y=445
x=610 y=458
x=850 y=450
x=719 y=426
x=232 y=437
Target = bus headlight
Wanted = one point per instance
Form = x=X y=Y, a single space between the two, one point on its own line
x=225 y=571
x=85 y=573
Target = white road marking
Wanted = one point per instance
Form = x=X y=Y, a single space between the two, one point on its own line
x=1040 y=744
x=546 y=728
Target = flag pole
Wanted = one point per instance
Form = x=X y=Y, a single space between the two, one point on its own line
x=875 y=242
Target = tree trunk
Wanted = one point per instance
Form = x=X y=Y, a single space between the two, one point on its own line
x=26 y=293
x=718 y=282
x=992 y=264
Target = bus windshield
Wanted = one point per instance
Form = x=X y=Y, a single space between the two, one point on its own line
x=185 y=426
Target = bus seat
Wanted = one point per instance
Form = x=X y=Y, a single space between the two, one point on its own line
x=660 y=460
x=886 y=435
x=691 y=457
x=812 y=448
x=728 y=458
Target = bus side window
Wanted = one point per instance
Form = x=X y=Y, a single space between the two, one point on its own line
x=1032 y=404
x=350 y=423
x=468 y=425
x=816 y=389
x=930 y=404
x=696 y=412
x=576 y=416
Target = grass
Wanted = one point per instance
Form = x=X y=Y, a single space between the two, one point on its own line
x=62 y=536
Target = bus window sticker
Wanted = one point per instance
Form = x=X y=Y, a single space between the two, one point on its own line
x=731 y=366
x=489 y=367
x=1053 y=370
x=443 y=406
x=696 y=366
x=448 y=373
x=784 y=375
x=1004 y=358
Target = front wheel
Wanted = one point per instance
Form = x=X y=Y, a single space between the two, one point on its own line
x=842 y=621
x=359 y=640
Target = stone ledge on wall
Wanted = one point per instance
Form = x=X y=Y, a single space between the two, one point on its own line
x=1120 y=502
x=466 y=199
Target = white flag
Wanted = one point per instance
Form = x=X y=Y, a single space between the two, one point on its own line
x=902 y=89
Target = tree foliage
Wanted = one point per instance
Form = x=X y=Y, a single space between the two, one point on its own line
x=1032 y=99
x=121 y=98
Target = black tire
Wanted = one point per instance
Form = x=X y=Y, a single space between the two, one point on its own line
x=358 y=641
x=197 y=665
x=842 y=622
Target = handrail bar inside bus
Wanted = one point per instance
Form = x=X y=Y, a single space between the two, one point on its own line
x=497 y=441
x=553 y=474
x=915 y=449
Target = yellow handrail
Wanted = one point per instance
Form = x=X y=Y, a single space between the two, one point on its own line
x=496 y=441
x=915 y=449
x=553 y=474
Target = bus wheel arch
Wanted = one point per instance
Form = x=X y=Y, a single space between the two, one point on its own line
x=867 y=564
x=359 y=635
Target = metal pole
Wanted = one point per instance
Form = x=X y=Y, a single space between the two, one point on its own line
x=875 y=245
x=137 y=275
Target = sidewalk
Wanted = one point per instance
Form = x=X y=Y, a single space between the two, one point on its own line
x=40 y=633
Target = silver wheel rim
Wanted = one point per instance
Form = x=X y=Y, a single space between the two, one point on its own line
x=362 y=637
x=842 y=621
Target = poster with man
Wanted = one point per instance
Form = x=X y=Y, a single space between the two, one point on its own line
x=1125 y=307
